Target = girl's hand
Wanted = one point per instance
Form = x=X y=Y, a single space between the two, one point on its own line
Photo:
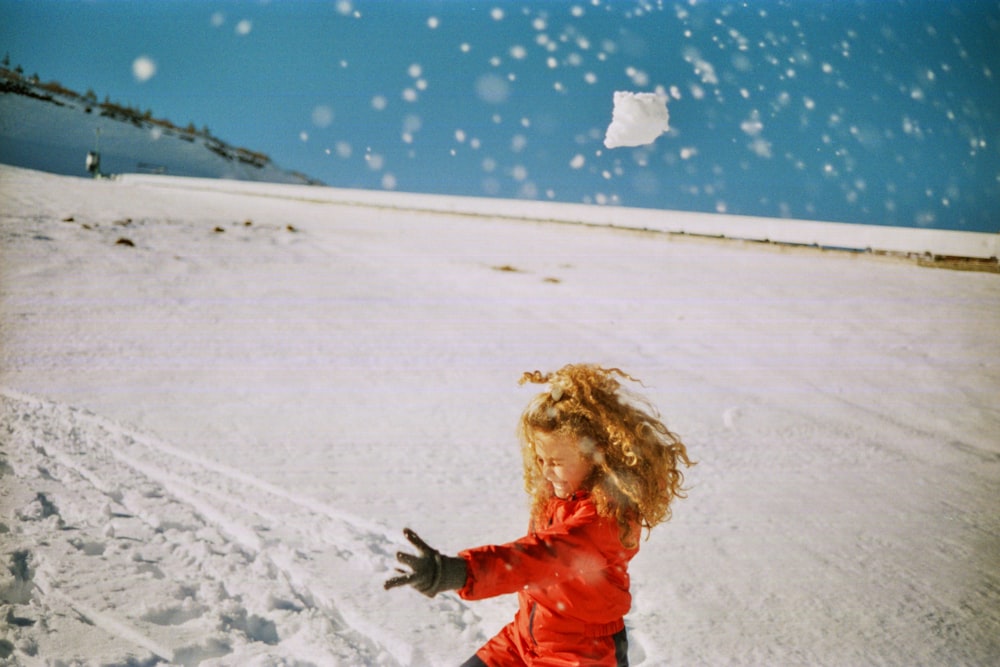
x=430 y=572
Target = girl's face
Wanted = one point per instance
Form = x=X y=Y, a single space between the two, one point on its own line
x=561 y=461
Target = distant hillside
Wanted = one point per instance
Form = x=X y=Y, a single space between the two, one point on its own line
x=48 y=127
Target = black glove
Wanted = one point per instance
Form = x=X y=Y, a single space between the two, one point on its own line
x=431 y=573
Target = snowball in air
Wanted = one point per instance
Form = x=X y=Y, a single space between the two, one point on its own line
x=143 y=68
x=637 y=119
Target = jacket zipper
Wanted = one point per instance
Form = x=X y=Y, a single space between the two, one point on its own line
x=531 y=623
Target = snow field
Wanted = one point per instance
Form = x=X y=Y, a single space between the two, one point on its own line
x=211 y=439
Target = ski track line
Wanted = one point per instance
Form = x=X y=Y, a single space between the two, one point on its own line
x=57 y=464
x=50 y=451
x=191 y=493
x=211 y=505
x=240 y=476
x=110 y=625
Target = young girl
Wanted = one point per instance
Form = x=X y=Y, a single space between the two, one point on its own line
x=599 y=466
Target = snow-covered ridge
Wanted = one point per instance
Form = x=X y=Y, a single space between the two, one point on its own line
x=862 y=238
x=49 y=128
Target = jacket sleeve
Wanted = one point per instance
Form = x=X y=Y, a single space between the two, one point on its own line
x=584 y=546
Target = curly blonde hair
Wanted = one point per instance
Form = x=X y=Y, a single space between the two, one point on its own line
x=636 y=459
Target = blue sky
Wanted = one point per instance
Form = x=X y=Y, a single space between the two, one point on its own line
x=867 y=111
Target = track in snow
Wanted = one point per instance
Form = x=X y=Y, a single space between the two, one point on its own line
x=208 y=562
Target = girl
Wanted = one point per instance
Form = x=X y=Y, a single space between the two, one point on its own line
x=599 y=466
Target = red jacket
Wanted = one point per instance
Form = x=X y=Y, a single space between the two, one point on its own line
x=571 y=578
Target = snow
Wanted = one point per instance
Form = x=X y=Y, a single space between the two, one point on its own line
x=637 y=119
x=212 y=438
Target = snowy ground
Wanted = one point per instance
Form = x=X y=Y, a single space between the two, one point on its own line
x=211 y=438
